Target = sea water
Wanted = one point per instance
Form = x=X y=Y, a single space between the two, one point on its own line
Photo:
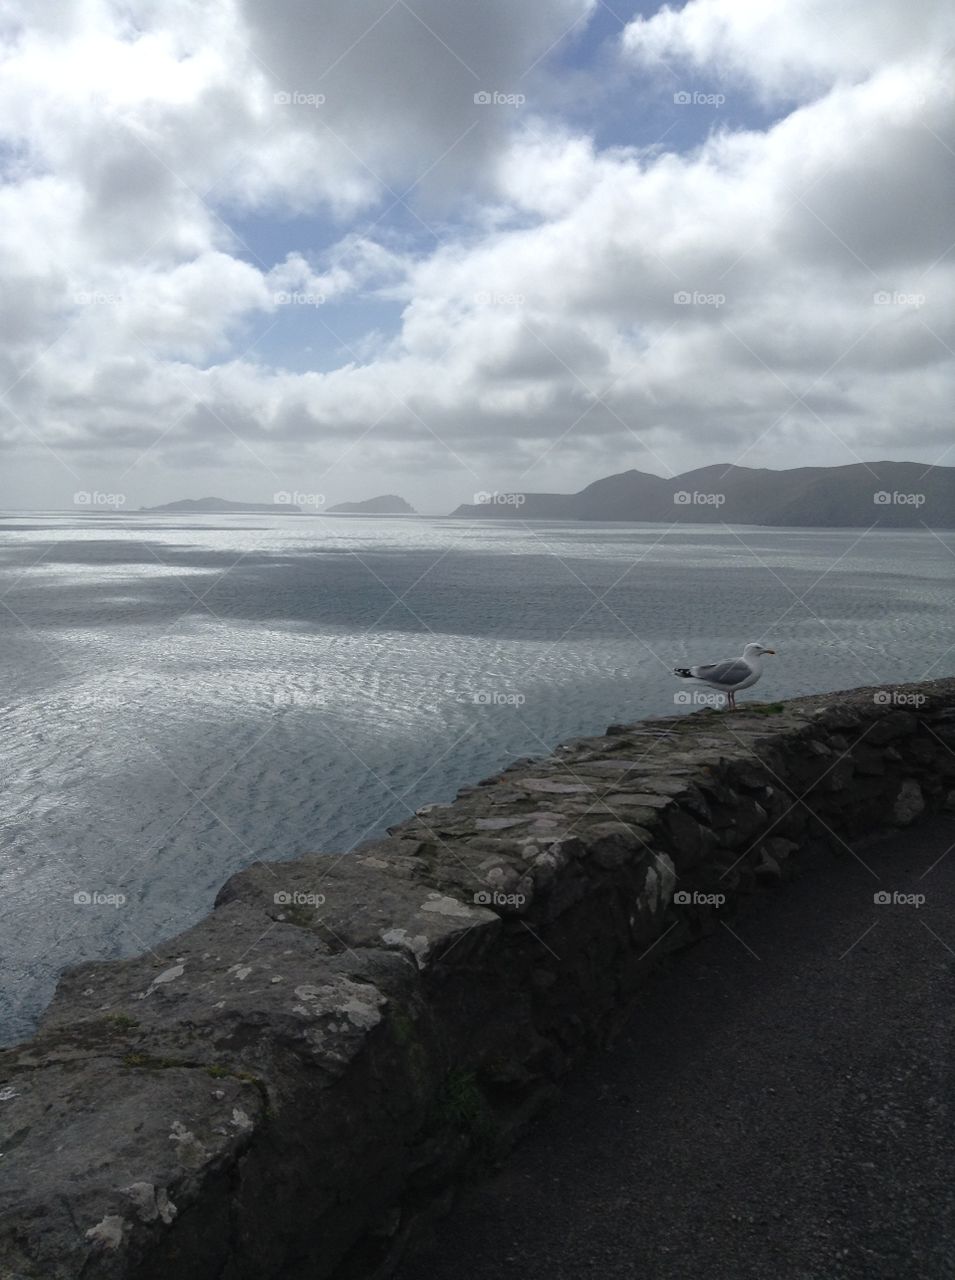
x=183 y=696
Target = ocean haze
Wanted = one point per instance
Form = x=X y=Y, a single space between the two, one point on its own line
x=190 y=695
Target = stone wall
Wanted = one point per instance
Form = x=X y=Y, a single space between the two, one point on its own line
x=288 y=1088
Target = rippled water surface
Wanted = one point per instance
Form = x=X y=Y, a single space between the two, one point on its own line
x=184 y=696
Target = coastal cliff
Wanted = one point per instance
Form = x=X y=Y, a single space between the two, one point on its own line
x=290 y=1087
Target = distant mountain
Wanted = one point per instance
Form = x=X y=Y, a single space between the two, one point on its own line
x=898 y=495
x=389 y=504
x=199 y=506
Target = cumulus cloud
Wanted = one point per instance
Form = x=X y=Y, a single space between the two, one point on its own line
x=793 y=48
x=390 y=87
x=495 y=293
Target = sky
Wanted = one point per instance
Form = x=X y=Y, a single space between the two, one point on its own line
x=338 y=248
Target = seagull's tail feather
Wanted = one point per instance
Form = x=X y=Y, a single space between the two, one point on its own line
x=685 y=672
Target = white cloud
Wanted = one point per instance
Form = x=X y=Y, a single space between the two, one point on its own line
x=792 y=48
x=542 y=332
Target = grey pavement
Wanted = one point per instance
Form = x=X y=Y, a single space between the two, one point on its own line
x=779 y=1106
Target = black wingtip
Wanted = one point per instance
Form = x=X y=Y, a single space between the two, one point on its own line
x=685 y=672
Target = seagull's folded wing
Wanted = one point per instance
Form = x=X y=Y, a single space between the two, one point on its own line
x=732 y=672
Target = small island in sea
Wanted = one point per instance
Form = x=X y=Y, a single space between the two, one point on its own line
x=215 y=506
x=388 y=504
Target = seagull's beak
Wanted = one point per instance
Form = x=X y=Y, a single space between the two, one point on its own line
x=772 y=651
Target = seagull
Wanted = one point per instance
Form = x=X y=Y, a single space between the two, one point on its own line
x=730 y=675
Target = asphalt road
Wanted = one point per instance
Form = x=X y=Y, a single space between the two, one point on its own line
x=779 y=1107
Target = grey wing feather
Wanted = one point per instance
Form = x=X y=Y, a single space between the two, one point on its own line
x=731 y=672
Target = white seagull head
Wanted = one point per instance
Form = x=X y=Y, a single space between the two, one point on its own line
x=755 y=650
